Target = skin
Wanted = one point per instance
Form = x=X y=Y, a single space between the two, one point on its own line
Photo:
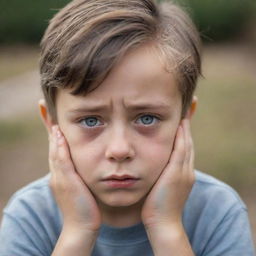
x=137 y=131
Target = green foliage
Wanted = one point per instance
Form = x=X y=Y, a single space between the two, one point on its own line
x=220 y=19
x=25 y=21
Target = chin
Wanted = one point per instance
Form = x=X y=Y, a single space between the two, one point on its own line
x=121 y=201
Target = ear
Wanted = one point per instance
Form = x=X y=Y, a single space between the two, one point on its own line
x=192 y=108
x=45 y=115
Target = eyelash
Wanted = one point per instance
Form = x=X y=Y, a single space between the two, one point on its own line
x=155 y=118
x=81 y=121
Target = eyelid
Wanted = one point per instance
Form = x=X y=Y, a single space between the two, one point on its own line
x=79 y=119
x=86 y=117
x=156 y=117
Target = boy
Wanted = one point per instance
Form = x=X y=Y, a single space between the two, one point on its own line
x=118 y=79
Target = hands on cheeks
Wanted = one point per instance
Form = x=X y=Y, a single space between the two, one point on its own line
x=164 y=205
x=162 y=209
x=76 y=202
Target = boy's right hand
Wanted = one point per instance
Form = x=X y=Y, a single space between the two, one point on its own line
x=78 y=206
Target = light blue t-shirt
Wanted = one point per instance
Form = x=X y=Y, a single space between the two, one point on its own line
x=214 y=218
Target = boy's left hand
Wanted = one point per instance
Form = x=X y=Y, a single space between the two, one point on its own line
x=164 y=204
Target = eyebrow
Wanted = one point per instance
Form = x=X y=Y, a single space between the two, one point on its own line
x=145 y=106
x=89 y=108
x=130 y=106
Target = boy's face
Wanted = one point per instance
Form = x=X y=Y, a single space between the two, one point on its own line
x=121 y=135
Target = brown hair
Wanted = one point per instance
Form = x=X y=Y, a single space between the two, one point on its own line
x=86 y=38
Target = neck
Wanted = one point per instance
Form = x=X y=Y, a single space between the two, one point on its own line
x=121 y=216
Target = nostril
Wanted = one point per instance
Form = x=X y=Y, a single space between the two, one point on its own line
x=119 y=155
x=119 y=147
x=119 y=158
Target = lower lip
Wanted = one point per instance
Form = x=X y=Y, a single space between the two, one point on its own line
x=127 y=183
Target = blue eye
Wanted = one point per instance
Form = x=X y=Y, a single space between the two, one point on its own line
x=91 y=121
x=147 y=119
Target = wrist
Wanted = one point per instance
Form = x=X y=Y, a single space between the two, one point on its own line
x=75 y=241
x=169 y=238
x=76 y=232
x=160 y=224
x=162 y=230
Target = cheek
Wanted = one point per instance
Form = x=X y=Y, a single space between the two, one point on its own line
x=82 y=153
x=158 y=150
x=84 y=157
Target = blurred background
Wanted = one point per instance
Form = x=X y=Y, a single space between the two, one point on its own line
x=224 y=127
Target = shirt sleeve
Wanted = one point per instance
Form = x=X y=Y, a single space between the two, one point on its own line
x=30 y=225
x=232 y=236
x=18 y=241
x=216 y=220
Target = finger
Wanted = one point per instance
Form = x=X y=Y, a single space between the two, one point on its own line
x=52 y=144
x=191 y=163
x=188 y=167
x=52 y=148
x=63 y=159
x=178 y=155
x=65 y=166
x=188 y=144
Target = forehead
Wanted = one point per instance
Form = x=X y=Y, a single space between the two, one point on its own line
x=140 y=76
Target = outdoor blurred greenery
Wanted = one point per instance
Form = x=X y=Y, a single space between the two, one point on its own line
x=25 y=21
x=223 y=127
x=224 y=124
x=220 y=19
x=216 y=19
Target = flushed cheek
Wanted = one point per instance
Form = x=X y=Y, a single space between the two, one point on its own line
x=158 y=156
x=157 y=153
x=83 y=155
x=84 y=159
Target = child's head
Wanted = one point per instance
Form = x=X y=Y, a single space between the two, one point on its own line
x=117 y=77
x=87 y=38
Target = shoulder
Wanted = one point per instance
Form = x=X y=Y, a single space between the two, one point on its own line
x=210 y=203
x=34 y=201
x=209 y=189
x=37 y=185
x=33 y=194
x=211 y=197
x=215 y=218
x=31 y=220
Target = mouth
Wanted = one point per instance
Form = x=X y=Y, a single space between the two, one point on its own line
x=120 y=181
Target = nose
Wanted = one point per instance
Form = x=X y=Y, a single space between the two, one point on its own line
x=119 y=146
